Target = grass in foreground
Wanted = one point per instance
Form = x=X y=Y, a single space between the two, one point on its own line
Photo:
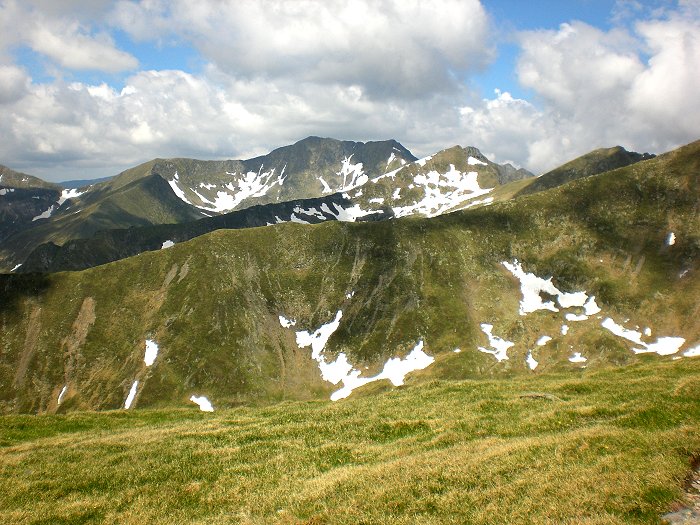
x=611 y=446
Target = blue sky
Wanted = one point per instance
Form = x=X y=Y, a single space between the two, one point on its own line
x=92 y=87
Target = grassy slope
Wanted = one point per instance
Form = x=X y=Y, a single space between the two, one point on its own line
x=608 y=447
x=212 y=303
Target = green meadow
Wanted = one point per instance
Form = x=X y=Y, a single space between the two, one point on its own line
x=605 y=446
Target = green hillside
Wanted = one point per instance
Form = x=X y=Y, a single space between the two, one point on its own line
x=212 y=304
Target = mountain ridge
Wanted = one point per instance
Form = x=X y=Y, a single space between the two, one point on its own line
x=589 y=164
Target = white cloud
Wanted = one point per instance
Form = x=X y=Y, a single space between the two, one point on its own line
x=390 y=48
x=73 y=48
x=666 y=92
x=53 y=30
x=595 y=90
x=14 y=83
x=578 y=64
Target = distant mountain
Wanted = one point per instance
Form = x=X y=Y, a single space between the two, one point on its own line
x=310 y=168
x=593 y=273
x=453 y=179
x=81 y=183
x=593 y=163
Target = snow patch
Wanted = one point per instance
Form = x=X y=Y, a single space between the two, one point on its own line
x=296 y=219
x=531 y=287
x=318 y=339
x=671 y=239
x=5 y=191
x=377 y=200
x=621 y=331
x=531 y=362
x=286 y=323
x=577 y=358
x=456 y=350
x=16 y=267
x=352 y=174
x=395 y=370
x=543 y=340
x=421 y=162
x=564 y=329
x=692 y=352
x=500 y=346
x=442 y=192
x=167 y=244
x=342 y=371
x=151 y=352
x=350 y=214
x=46 y=214
x=569 y=300
x=591 y=307
x=61 y=394
x=203 y=402
x=313 y=212
x=69 y=194
x=244 y=186
x=130 y=397
x=662 y=346
x=473 y=161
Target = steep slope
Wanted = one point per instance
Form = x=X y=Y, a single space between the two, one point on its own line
x=450 y=180
x=310 y=168
x=593 y=163
x=24 y=199
x=299 y=311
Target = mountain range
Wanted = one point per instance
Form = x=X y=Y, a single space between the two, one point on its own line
x=330 y=267
x=179 y=191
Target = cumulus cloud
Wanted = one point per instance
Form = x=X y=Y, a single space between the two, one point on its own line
x=391 y=48
x=594 y=88
x=53 y=30
x=666 y=92
x=14 y=83
x=74 y=49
